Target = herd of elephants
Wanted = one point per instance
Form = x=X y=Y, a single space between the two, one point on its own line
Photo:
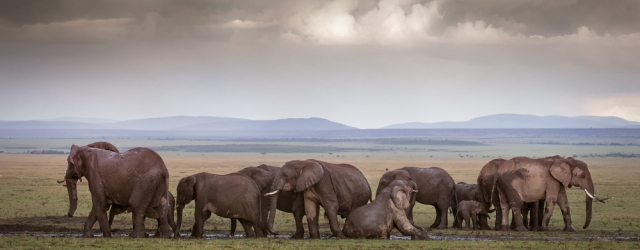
x=137 y=181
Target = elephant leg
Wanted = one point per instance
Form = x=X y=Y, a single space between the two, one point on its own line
x=200 y=216
x=484 y=224
x=138 y=223
x=548 y=211
x=444 y=221
x=563 y=203
x=312 y=210
x=88 y=224
x=163 y=231
x=540 y=212
x=404 y=225
x=112 y=214
x=332 y=213
x=533 y=216
x=248 y=230
x=504 y=211
x=298 y=214
x=100 y=212
x=475 y=221
x=438 y=219
x=467 y=222
x=232 y=232
x=517 y=216
x=525 y=214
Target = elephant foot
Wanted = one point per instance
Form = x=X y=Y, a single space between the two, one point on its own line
x=442 y=227
x=138 y=235
x=485 y=228
x=297 y=236
x=87 y=235
x=521 y=229
x=568 y=229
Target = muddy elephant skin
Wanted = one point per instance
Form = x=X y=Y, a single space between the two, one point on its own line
x=137 y=179
x=386 y=212
x=229 y=196
x=338 y=188
x=435 y=187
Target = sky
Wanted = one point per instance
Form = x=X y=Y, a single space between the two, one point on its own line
x=364 y=63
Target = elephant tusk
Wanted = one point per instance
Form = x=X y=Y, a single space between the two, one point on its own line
x=61 y=181
x=272 y=193
x=588 y=194
x=415 y=190
x=594 y=196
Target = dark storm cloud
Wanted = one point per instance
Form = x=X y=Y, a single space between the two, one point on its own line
x=367 y=63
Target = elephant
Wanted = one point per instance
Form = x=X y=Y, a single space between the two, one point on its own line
x=521 y=180
x=288 y=201
x=488 y=195
x=464 y=192
x=115 y=210
x=386 y=212
x=230 y=196
x=137 y=179
x=435 y=187
x=263 y=179
x=338 y=188
x=469 y=210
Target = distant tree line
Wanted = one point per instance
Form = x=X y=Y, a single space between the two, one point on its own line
x=618 y=154
x=46 y=152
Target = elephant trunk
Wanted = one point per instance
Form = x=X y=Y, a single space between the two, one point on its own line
x=176 y=232
x=72 y=189
x=589 y=202
x=272 y=213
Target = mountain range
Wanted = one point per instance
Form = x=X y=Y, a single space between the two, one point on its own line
x=525 y=121
x=208 y=123
x=176 y=123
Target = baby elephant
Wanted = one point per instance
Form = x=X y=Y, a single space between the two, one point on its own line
x=388 y=210
x=468 y=210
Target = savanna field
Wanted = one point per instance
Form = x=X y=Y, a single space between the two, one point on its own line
x=33 y=206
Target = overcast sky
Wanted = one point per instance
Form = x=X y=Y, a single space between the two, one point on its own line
x=362 y=63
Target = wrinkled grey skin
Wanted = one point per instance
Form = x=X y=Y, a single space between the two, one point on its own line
x=521 y=180
x=137 y=179
x=115 y=210
x=288 y=201
x=465 y=192
x=229 y=196
x=263 y=180
x=386 y=212
x=435 y=187
x=489 y=195
x=468 y=211
x=338 y=188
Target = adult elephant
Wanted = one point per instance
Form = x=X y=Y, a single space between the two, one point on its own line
x=114 y=209
x=386 y=212
x=137 y=179
x=521 y=180
x=338 y=188
x=465 y=192
x=435 y=187
x=488 y=196
x=288 y=201
x=263 y=179
x=229 y=196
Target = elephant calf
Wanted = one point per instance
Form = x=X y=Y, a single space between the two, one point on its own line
x=388 y=210
x=469 y=210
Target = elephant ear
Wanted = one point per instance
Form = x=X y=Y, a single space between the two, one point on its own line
x=185 y=190
x=310 y=174
x=72 y=153
x=561 y=171
x=261 y=177
x=400 y=198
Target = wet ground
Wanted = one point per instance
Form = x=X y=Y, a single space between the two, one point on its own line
x=222 y=236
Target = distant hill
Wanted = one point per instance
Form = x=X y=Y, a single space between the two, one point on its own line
x=171 y=122
x=80 y=119
x=178 y=123
x=526 y=121
x=312 y=123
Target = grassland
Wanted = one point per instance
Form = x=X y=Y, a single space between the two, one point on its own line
x=32 y=202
